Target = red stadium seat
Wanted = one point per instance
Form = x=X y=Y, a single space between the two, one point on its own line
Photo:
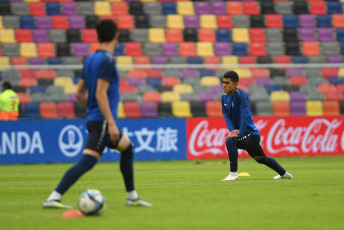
x=65 y=109
x=174 y=35
x=89 y=35
x=142 y=60
x=224 y=21
x=60 y=22
x=37 y=8
x=187 y=49
x=331 y=108
x=251 y=8
x=247 y=60
x=48 y=109
x=214 y=109
x=317 y=7
x=257 y=35
x=119 y=8
x=274 y=21
x=257 y=49
x=23 y=35
x=125 y=22
x=329 y=72
x=132 y=109
x=133 y=48
x=235 y=8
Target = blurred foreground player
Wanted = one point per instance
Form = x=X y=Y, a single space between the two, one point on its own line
x=243 y=133
x=98 y=89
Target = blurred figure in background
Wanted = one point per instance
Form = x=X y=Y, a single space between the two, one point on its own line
x=9 y=102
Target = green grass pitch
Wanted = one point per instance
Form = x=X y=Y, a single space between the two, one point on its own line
x=185 y=194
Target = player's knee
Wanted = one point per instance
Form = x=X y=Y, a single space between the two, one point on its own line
x=229 y=141
x=128 y=152
x=260 y=159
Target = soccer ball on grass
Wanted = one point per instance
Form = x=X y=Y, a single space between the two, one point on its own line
x=92 y=202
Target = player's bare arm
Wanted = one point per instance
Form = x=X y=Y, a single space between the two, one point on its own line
x=81 y=92
x=103 y=102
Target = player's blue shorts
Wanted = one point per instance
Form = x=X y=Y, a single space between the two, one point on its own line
x=99 y=137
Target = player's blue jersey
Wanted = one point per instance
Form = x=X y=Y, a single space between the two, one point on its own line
x=237 y=113
x=101 y=65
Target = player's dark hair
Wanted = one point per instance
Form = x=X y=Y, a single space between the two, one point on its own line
x=7 y=85
x=232 y=75
x=106 y=30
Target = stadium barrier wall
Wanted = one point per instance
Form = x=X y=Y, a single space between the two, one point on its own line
x=53 y=141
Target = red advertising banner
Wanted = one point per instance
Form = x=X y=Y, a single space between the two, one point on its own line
x=280 y=136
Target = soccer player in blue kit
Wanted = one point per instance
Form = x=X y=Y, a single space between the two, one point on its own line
x=243 y=133
x=98 y=90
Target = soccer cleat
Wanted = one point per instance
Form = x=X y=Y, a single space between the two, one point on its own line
x=231 y=176
x=138 y=202
x=285 y=176
x=55 y=204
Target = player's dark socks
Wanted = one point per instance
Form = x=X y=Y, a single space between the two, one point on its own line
x=127 y=169
x=232 y=154
x=272 y=163
x=75 y=172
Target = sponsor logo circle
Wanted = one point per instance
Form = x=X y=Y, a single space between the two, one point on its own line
x=70 y=141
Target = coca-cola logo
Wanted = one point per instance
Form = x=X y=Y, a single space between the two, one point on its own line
x=318 y=136
x=207 y=141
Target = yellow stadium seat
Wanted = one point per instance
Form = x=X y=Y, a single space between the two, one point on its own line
x=185 y=8
x=181 y=109
x=124 y=60
x=7 y=36
x=208 y=21
x=314 y=108
x=102 y=8
x=230 y=60
x=243 y=72
x=182 y=88
x=156 y=35
x=28 y=49
x=210 y=81
x=120 y=111
x=169 y=96
x=5 y=61
x=175 y=21
x=240 y=35
x=277 y=96
x=1 y=26
x=63 y=81
x=32 y=0
x=341 y=72
x=70 y=88
x=205 y=49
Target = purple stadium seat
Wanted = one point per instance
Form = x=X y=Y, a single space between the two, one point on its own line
x=159 y=60
x=37 y=61
x=69 y=8
x=149 y=109
x=221 y=48
x=297 y=96
x=216 y=89
x=219 y=7
x=72 y=98
x=335 y=59
x=201 y=7
x=307 y=34
x=76 y=22
x=191 y=21
x=262 y=81
x=206 y=96
x=325 y=34
x=190 y=73
x=43 y=22
x=170 y=49
x=307 y=20
x=297 y=108
x=81 y=49
x=294 y=72
x=40 y=35
x=136 y=81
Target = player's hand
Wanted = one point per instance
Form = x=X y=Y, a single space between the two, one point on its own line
x=114 y=132
x=234 y=133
